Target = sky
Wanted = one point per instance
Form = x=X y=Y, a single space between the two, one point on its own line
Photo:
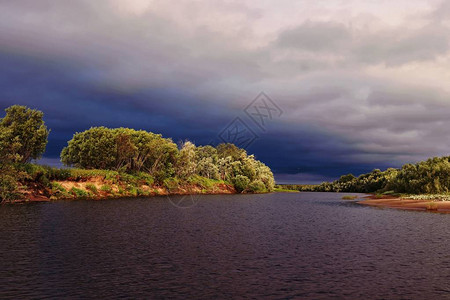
x=321 y=88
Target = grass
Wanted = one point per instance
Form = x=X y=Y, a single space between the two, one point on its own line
x=58 y=191
x=106 y=188
x=349 y=197
x=92 y=188
x=283 y=190
x=79 y=193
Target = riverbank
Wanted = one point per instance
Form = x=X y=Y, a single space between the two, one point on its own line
x=99 y=188
x=406 y=204
x=42 y=184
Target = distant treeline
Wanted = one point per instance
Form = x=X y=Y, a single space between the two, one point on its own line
x=426 y=177
x=23 y=137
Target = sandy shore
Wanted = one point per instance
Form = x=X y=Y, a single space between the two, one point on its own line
x=408 y=204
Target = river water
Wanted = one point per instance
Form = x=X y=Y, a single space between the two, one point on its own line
x=269 y=246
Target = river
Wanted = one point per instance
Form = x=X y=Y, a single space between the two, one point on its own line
x=267 y=246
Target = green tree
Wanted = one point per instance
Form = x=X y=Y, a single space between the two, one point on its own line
x=9 y=176
x=94 y=148
x=27 y=127
x=225 y=150
x=186 y=164
x=241 y=182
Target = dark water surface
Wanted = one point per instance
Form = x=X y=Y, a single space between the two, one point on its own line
x=275 y=246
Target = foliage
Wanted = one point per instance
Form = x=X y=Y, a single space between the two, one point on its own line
x=284 y=189
x=186 y=163
x=171 y=184
x=78 y=193
x=106 y=188
x=27 y=129
x=257 y=186
x=124 y=150
x=8 y=188
x=121 y=149
x=240 y=182
x=203 y=182
x=125 y=157
x=92 y=188
x=426 y=177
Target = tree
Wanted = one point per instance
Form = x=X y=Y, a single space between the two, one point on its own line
x=94 y=148
x=241 y=182
x=9 y=176
x=28 y=129
x=225 y=150
x=126 y=150
x=202 y=152
x=186 y=164
x=206 y=168
x=121 y=149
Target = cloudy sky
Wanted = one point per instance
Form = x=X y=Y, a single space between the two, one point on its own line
x=361 y=84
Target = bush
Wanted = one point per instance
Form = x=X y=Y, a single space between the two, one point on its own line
x=106 y=188
x=78 y=193
x=240 y=183
x=8 y=188
x=203 y=182
x=171 y=184
x=257 y=186
x=145 y=178
x=59 y=191
x=132 y=190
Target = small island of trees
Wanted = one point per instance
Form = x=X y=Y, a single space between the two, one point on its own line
x=119 y=162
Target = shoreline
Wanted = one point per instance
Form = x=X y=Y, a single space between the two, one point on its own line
x=91 y=189
x=406 y=204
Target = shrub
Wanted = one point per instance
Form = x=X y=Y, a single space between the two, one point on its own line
x=141 y=192
x=171 y=184
x=202 y=181
x=121 y=191
x=145 y=178
x=257 y=186
x=132 y=190
x=8 y=188
x=106 y=188
x=240 y=183
x=59 y=191
x=79 y=193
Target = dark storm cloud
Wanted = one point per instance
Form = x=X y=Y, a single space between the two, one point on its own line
x=361 y=84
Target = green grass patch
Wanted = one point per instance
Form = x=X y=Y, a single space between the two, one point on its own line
x=349 y=197
x=282 y=190
x=106 y=188
x=78 y=193
x=92 y=188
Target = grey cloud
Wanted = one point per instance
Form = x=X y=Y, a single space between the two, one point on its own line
x=401 y=46
x=315 y=36
x=347 y=45
x=212 y=57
